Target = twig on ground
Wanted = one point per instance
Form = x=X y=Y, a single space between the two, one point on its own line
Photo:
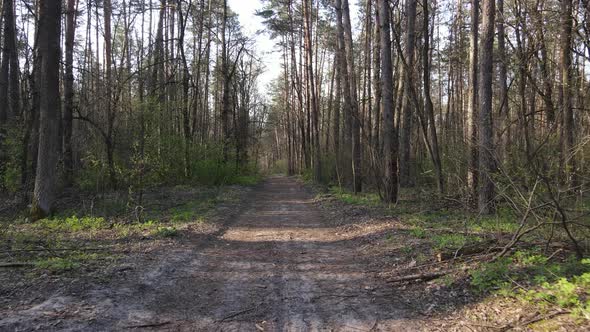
x=533 y=320
x=235 y=314
x=420 y=276
x=16 y=264
x=54 y=249
x=158 y=324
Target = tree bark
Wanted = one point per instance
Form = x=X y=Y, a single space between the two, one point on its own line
x=49 y=49
x=428 y=107
x=472 y=167
x=390 y=177
x=405 y=158
x=69 y=91
x=486 y=144
x=354 y=111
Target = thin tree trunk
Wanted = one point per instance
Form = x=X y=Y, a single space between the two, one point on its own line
x=69 y=91
x=486 y=144
x=390 y=179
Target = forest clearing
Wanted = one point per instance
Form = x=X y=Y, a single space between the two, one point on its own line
x=294 y=165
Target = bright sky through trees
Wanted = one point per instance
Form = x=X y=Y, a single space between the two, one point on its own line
x=253 y=27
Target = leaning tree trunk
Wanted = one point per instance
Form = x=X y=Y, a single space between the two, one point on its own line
x=49 y=49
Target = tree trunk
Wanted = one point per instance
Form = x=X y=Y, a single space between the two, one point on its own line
x=49 y=49
x=354 y=112
x=428 y=107
x=69 y=91
x=405 y=158
x=108 y=94
x=486 y=144
x=390 y=179
x=565 y=63
x=472 y=167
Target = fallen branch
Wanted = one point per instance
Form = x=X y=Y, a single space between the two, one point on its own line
x=147 y=325
x=486 y=246
x=16 y=264
x=235 y=314
x=53 y=249
x=532 y=320
x=420 y=276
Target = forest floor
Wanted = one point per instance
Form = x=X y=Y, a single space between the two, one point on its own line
x=273 y=257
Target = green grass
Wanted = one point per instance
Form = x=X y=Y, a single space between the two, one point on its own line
x=418 y=232
x=453 y=241
x=366 y=199
x=529 y=276
x=72 y=224
x=70 y=262
x=165 y=231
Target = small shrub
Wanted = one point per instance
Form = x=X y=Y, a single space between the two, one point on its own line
x=165 y=231
x=57 y=264
x=491 y=275
x=418 y=232
x=452 y=241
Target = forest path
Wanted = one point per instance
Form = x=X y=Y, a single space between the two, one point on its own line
x=276 y=266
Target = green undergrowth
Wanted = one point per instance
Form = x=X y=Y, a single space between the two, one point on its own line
x=80 y=236
x=529 y=276
x=366 y=199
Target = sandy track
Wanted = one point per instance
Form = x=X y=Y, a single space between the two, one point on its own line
x=276 y=266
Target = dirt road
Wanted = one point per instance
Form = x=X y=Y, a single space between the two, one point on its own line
x=275 y=266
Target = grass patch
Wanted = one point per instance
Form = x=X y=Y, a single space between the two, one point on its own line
x=365 y=199
x=165 y=231
x=246 y=180
x=68 y=263
x=453 y=241
x=72 y=224
x=418 y=232
x=529 y=276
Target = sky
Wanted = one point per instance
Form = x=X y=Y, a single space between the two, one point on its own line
x=265 y=47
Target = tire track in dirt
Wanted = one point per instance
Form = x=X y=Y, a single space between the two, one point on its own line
x=277 y=265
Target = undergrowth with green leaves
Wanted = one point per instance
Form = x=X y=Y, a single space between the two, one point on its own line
x=530 y=277
x=52 y=244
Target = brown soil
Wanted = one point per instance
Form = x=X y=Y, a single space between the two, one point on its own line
x=277 y=261
x=277 y=265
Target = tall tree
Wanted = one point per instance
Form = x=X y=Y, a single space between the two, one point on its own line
x=486 y=144
x=472 y=115
x=313 y=102
x=70 y=34
x=9 y=88
x=428 y=106
x=354 y=110
x=49 y=103
x=565 y=64
x=405 y=157
x=389 y=133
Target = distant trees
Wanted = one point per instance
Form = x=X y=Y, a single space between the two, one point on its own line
x=485 y=107
x=471 y=97
x=153 y=92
